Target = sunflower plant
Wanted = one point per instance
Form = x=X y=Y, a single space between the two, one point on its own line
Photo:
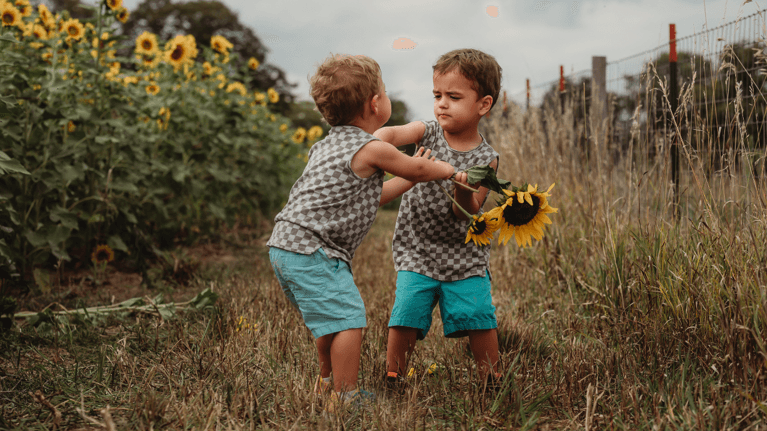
x=520 y=212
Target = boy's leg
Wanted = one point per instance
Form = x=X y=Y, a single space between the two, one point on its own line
x=399 y=347
x=323 y=353
x=484 y=347
x=345 y=349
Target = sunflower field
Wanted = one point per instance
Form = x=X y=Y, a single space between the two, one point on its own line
x=128 y=153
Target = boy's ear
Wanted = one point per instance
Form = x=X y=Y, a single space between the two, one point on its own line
x=486 y=104
x=374 y=101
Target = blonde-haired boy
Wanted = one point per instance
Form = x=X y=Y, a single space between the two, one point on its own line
x=332 y=206
x=434 y=263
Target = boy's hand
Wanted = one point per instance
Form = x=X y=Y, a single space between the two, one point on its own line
x=463 y=178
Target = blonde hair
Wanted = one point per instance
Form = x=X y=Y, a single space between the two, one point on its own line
x=342 y=85
x=479 y=68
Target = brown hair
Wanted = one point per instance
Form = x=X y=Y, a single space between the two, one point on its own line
x=342 y=85
x=479 y=68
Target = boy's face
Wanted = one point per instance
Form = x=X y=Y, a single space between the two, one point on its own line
x=457 y=106
x=384 y=105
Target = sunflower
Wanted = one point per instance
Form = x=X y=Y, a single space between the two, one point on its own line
x=74 y=29
x=220 y=44
x=10 y=15
x=39 y=32
x=523 y=214
x=71 y=127
x=283 y=127
x=115 y=4
x=102 y=254
x=299 y=135
x=314 y=133
x=24 y=8
x=180 y=50
x=146 y=43
x=122 y=15
x=152 y=89
x=483 y=227
x=46 y=16
x=274 y=96
x=238 y=87
x=253 y=63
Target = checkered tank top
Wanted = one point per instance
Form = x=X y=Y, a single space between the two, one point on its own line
x=329 y=206
x=428 y=238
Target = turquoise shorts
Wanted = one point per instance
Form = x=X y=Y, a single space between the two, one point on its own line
x=322 y=289
x=465 y=305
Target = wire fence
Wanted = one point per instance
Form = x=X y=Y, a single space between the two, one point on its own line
x=720 y=87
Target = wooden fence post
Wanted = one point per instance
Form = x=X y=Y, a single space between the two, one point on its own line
x=562 y=88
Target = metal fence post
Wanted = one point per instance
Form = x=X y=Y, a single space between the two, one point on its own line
x=673 y=87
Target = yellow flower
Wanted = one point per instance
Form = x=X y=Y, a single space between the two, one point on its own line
x=122 y=15
x=24 y=8
x=299 y=135
x=314 y=133
x=220 y=44
x=237 y=86
x=102 y=254
x=523 y=218
x=71 y=127
x=164 y=112
x=483 y=227
x=253 y=63
x=10 y=15
x=146 y=43
x=283 y=127
x=39 y=32
x=74 y=29
x=274 y=97
x=114 y=4
x=130 y=80
x=46 y=16
x=152 y=89
x=221 y=77
x=180 y=50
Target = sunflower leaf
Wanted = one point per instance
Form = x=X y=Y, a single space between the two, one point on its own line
x=485 y=175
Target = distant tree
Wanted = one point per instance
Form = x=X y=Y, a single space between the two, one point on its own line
x=74 y=7
x=400 y=114
x=204 y=19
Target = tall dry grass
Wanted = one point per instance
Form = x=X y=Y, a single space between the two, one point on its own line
x=630 y=314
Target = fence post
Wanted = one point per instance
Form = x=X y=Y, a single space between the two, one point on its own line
x=673 y=87
x=527 y=94
x=599 y=87
x=562 y=88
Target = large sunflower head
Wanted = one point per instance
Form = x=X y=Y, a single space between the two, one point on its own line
x=314 y=133
x=483 y=227
x=24 y=8
x=74 y=29
x=220 y=44
x=146 y=43
x=299 y=135
x=102 y=254
x=46 y=16
x=9 y=15
x=180 y=50
x=523 y=214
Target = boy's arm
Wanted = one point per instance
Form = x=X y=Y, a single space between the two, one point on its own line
x=381 y=155
x=401 y=135
x=397 y=186
x=469 y=200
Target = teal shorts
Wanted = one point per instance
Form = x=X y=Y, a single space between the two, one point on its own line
x=322 y=289
x=465 y=305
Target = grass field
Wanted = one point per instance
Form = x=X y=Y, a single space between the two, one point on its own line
x=631 y=313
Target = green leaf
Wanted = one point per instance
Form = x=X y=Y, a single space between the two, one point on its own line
x=204 y=299
x=66 y=218
x=9 y=165
x=217 y=211
x=485 y=175
x=9 y=38
x=116 y=243
x=42 y=280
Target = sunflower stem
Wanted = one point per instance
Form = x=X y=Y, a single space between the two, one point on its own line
x=466 y=213
x=464 y=186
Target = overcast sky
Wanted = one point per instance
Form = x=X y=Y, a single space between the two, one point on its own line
x=528 y=38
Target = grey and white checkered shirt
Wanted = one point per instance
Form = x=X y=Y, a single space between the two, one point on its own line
x=428 y=238
x=329 y=206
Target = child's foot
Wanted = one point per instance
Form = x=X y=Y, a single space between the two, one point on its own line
x=395 y=383
x=493 y=383
x=322 y=385
x=356 y=398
